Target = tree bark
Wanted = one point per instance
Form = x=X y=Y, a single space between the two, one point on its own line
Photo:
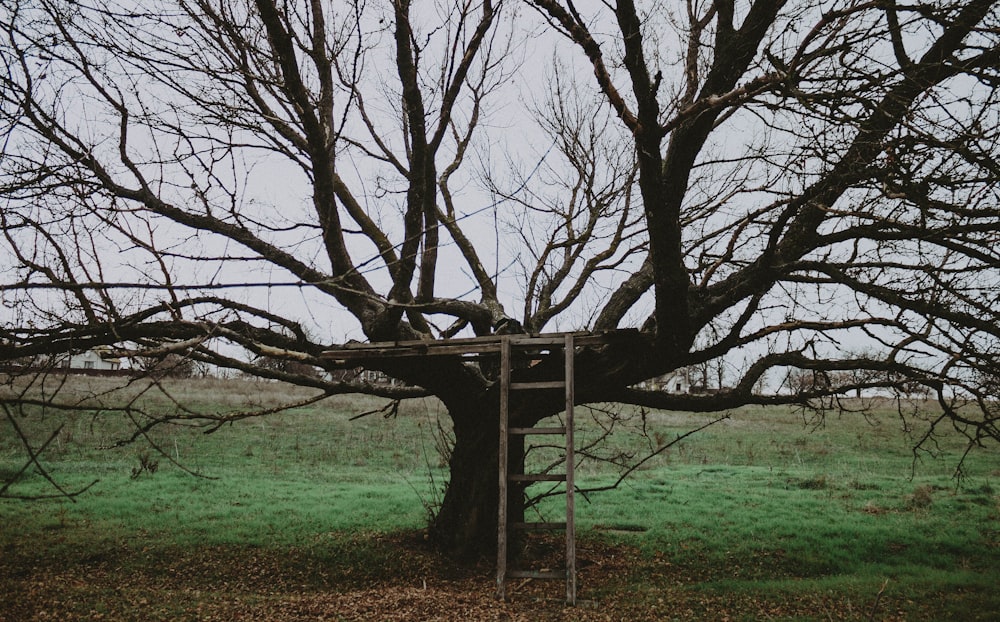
x=466 y=524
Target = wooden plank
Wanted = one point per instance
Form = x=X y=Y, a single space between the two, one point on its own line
x=502 y=469
x=526 y=431
x=457 y=341
x=570 y=352
x=380 y=350
x=537 y=477
x=535 y=341
x=550 y=384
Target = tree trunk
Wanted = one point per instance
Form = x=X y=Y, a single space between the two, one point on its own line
x=466 y=524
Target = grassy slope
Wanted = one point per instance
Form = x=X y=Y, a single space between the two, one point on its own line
x=761 y=515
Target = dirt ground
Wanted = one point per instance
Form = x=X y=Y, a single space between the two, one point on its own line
x=272 y=585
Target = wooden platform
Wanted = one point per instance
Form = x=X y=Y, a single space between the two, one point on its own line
x=355 y=353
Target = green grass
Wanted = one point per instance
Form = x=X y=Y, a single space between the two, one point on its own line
x=258 y=481
x=764 y=507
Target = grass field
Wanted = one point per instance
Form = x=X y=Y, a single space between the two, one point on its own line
x=306 y=515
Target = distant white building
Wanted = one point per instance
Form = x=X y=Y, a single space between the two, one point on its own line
x=677 y=381
x=372 y=376
x=96 y=358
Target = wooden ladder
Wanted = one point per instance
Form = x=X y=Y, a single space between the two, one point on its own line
x=510 y=345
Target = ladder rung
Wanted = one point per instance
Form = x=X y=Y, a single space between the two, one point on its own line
x=538 y=526
x=530 y=342
x=536 y=574
x=551 y=384
x=538 y=477
x=537 y=431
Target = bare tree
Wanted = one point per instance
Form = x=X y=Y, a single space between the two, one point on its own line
x=757 y=186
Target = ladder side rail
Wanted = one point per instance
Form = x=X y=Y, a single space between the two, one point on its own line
x=570 y=468
x=505 y=367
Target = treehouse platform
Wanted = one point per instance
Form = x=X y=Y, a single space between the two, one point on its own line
x=507 y=348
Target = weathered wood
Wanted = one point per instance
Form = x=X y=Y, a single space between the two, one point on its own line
x=570 y=354
x=502 y=469
x=526 y=431
x=547 y=384
x=537 y=477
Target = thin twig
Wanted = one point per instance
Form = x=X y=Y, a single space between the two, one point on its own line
x=878 y=597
